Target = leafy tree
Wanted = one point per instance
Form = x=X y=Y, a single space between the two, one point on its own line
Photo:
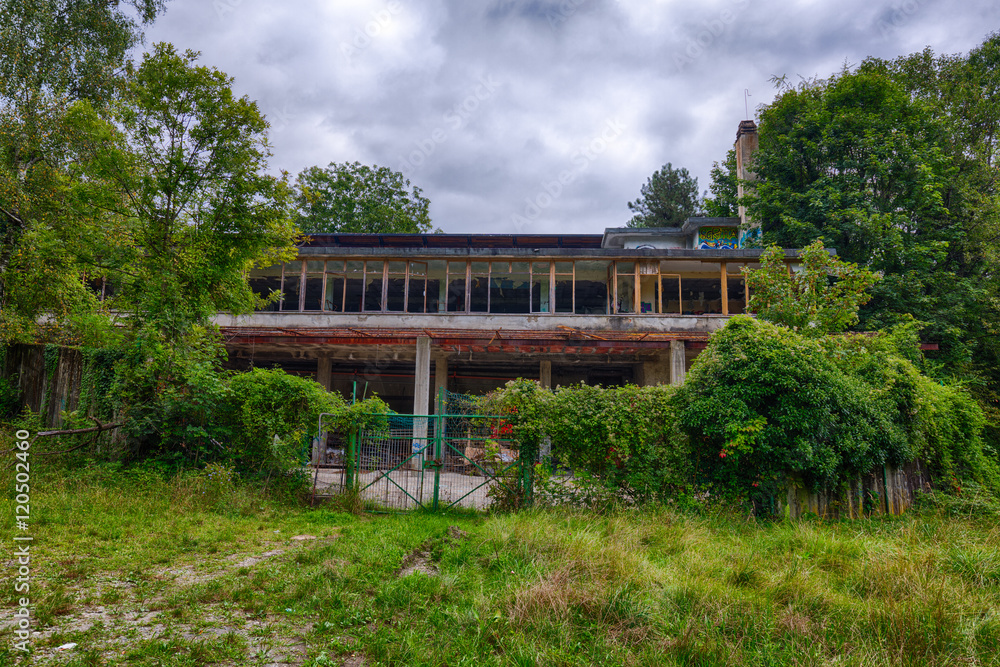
x=724 y=200
x=963 y=94
x=356 y=198
x=821 y=297
x=860 y=162
x=183 y=171
x=201 y=208
x=53 y=53
x=668 y=198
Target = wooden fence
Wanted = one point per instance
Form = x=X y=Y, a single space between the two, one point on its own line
x=886 y=490
x=47 y=388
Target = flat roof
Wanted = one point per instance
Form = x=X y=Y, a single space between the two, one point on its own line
x=452 y=241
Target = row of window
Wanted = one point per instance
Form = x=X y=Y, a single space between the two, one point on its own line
x=464 y=286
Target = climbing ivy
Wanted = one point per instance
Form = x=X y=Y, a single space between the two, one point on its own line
x=622 y=439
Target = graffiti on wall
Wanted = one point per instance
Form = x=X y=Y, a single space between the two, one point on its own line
x=718 y=238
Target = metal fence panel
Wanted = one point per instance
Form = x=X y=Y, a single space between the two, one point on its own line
x=431 y=461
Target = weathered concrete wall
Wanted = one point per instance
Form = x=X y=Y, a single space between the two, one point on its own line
x=485 y=322
x=656 y=371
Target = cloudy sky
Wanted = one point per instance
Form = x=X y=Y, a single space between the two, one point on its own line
x=538 y=116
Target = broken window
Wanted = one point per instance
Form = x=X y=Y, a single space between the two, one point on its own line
x=313 y=297
x=563 y=287
x=291 y=286
x=373 y=285
x=591 y=287
x=702 y=296
x=625 y=287
x=354 y=287
x=264 y=282
x=333 y=299
x=479 y=287
x=416 y=289
x=736 y=291
x=670 y=293
x=437 y=286
x=540 y=282
x=395 y=286
x=456 y=286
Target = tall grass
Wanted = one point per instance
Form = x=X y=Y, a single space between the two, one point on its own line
x=212 y=557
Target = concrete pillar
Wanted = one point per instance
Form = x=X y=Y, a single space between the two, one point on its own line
x=421 y=402
x=440 y=379
x=545 y=374
x=678 y=362
x=325 y=378
x=422 y=377
x=745 y=146
x=725 y=289
x=323 y=372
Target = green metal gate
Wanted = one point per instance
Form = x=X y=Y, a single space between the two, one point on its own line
x=438 y=462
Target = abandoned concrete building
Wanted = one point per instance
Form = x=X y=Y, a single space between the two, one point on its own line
x=404 y=315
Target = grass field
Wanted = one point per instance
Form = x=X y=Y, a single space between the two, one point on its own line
x=140 y=571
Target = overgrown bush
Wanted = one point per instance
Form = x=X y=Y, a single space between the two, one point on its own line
x=763 y=404
x=619 y=439
x=10 y=398
x=272 y=417
x=170 y=396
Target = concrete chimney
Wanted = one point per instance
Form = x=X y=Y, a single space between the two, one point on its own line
x=745 y=146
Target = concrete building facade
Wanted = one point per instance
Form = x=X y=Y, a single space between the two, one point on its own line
x=404 y=315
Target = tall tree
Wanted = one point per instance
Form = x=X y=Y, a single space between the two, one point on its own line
x=53 y=54
x=723 y=202
x=895 y=165
x=668 y=198
x=183 y=169
x=356 y=198
x=963 y=94
x=186 y=161
x=857 y=161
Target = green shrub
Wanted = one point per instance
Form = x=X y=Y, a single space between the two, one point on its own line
x=171 y=396
x=619 y=439
x=763 y=404
x=272 y=416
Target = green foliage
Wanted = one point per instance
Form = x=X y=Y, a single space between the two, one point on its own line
x=97 y=380
x=668 y=198
x=53 y=54
x=10 y=398
x=356 y=198
x=725 y=194
x=170 y=394
x=190 y=160
x=273 y=416
x=763 y=404
x=621 y=439
x=820 y=296
x=894 y=166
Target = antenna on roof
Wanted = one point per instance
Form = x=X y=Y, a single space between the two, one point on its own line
x=746 y=103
